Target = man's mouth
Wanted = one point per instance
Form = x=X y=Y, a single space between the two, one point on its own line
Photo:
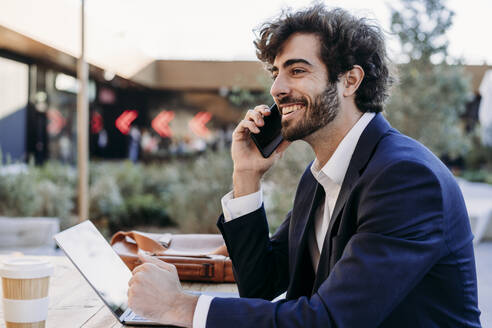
x=291 y=108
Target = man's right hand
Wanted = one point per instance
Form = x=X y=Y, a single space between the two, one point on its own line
x=249 y=164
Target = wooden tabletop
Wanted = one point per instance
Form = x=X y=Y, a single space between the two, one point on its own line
x=73 y=303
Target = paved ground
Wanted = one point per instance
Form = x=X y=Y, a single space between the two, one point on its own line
x=483 y=255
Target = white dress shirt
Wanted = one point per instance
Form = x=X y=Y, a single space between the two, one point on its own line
x=330 y=177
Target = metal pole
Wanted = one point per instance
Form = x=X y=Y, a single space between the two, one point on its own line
x=83 y=126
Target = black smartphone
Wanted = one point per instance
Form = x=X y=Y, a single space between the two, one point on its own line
x=270 y=136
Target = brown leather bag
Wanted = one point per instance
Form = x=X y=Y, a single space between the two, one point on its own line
x=197 y=257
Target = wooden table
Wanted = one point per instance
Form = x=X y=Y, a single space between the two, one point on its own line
x=73 y=302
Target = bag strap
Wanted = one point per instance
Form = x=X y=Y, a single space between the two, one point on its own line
x=152 y=246
x=222 y=250
x=143 y=242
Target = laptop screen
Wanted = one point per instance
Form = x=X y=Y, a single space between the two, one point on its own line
x=98 y=263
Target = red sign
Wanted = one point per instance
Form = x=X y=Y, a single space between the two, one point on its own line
x=56 y=122
x=161 y=123
x=197 y=124
x=96 y=123
x=124 y=121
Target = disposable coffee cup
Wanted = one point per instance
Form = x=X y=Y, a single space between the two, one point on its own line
x=25 y=284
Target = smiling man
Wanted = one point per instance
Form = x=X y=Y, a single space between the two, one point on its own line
x=378 y=235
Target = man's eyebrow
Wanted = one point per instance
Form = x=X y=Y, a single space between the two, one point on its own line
x=291 y=62
x=288 y=63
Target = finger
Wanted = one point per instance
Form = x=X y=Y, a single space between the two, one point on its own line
x=255 y=116
x=263 y=109
x=145 y=267
x=134 y=279
x=147 y=258
x=161 y=264
x=248 y=126
x=243 y=129
x=168 y=267
x=138 y=268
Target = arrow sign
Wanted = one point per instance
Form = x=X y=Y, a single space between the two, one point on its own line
x=161 y=123
x=197 y=124
x=124 y=121
x=56 y=122
x=96 y=123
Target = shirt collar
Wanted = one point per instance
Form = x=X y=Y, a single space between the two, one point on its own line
x=337 y=165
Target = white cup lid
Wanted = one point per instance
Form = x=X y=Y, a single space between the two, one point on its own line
x=25 y=268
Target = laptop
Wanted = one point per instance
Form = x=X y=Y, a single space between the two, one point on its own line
x=105 y=271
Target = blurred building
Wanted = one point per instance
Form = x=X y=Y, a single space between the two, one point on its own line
x=174 y=105
x=170 y=107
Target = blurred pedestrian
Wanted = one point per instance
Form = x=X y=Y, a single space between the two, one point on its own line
x=134 y=144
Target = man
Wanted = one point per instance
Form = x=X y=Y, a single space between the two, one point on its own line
x=378 y=235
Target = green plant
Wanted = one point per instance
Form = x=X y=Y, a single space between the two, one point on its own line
x=56 y=172
x=105 y=198
x=181 y=193
x=432 y=94
x=480 y=156
x=280 y=182
x=245 y=98
x=17 y=195
x=128 y=176
x=140 y=210
x=56 y=184
x=38 y=191
x=477 y=176
x=193 y=200
x=55 y=201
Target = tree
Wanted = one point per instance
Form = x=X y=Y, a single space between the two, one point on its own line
x=432 y=93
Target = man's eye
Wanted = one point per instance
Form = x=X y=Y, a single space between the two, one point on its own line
x=297 y=71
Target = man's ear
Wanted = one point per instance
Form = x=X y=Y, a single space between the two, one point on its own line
x=351 y=80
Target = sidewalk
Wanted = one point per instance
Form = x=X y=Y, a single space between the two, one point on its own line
x=483 y=257
x=478 y=198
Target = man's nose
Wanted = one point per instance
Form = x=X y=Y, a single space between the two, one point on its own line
x=280 y=88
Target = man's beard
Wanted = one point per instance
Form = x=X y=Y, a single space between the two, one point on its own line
x=323 y=110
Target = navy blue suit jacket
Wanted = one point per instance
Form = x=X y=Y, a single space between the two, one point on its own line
x=398 y=251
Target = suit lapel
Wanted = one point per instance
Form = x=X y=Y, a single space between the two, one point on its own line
x=302 y=218
x=323 y=267
x=362 y=154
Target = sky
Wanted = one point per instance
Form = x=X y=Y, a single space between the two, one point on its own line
x=217 y=29
x=124 y=36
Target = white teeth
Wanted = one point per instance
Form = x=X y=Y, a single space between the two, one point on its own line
x=290 y=109
x=287 y=110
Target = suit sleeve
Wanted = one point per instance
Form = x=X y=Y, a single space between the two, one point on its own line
x=260 y=263
x=399 y=237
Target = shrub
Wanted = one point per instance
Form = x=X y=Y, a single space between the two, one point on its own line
x=280 y=183
x=38 y=191
x=17 y=195
x=105 y=198
x=193 y=199
x=432 y=94
x=56 y=184
x=140 y=210
x=55 y=201
x=477 y=176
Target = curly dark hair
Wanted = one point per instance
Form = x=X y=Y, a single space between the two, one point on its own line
x=345 y=41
